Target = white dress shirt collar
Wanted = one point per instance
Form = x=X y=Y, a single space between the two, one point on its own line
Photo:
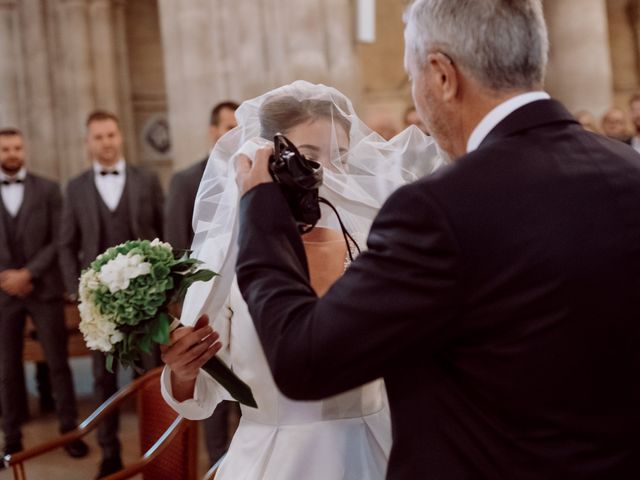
x=499 y=113
x=110 y=187
x=13 y=195
x=119 y=167
x=21 y=175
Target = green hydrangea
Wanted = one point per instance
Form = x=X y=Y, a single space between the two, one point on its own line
x=146 y=294
x=125 y=295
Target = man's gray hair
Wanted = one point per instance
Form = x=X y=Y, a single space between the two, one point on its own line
x=502 y=44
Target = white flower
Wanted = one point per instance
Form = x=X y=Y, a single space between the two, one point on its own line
x=118 y=273
x=89 y=282
x=99 y=332
x=157 y=243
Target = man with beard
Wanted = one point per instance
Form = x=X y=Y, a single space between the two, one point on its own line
x=30 y=285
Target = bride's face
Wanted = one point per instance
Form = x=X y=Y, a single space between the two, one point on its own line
x=323 y=141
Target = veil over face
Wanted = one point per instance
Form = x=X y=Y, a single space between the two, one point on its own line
x=361 y=170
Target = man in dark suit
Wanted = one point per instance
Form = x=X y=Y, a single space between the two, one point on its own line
x=184 y=184
x=178 y=231
x=30 y=284
x=107 y=205
x=500 y=298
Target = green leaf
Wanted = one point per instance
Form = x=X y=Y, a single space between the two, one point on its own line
x=109 y=363
x=201 y=276
x=160 y=329
x=145 y=343
x=181 y=254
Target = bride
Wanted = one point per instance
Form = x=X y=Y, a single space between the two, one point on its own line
x=344 y=437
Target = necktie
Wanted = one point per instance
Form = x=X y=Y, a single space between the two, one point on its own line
x=109 y=172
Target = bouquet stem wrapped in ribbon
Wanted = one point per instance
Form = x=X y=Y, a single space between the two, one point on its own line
x=125 y=296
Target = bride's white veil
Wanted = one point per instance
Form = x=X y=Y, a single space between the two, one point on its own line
x=357 y=179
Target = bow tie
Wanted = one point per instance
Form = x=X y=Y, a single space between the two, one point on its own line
x=13 y=181
x=109 y=172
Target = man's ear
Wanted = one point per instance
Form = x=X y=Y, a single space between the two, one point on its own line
x=214 y=133
x=444 y=75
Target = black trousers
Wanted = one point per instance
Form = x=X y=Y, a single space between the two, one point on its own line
x=105 y=385
x=216 y=430
x=48 y=318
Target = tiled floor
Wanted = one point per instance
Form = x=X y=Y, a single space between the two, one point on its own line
x=57 y=465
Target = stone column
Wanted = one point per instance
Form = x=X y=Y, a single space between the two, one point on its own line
x=40 y=122
x=632 y=14
x=623 y=29
x=125 y=98
x=75 y=82
x=103 y=52
x=110 y=65
x=217 y=50
x=579 y=71
x=191 y=78
x=10 y=57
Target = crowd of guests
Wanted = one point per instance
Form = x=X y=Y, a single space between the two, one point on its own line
x=616 y=123
x=47 y=239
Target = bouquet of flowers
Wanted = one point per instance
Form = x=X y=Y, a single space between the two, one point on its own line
x=125 y=295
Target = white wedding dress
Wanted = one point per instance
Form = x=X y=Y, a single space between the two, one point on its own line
x=343 y=437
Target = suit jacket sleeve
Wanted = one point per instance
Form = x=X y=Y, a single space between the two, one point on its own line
x=178 y=212
x=47 y=257
x=399 y=296
x=69 y=245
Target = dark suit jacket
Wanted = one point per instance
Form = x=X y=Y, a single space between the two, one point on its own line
x=178 y=230
x=37 y=231
x=79 y=240
x=499 y=299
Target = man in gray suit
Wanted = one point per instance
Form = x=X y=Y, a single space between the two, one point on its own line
x=30 y=285
x=110 y=203
x=178 y=231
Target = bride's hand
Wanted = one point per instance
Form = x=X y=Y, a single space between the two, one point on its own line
x=189 y=349
x=251 y=174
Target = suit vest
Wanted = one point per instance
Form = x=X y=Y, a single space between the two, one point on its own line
x=18 y=257
x=115 y=226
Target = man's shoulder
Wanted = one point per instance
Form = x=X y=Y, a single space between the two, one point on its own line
x=194 y=171
x=142 y=174
x=42 y=182
x=517 y=166
x=190 y=175
x=80 y=179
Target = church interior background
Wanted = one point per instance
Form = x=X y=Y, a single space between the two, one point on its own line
x=161 y=64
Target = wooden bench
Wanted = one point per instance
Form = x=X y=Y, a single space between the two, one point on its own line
x=33 y=351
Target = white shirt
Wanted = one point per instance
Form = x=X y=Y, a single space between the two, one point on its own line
x=13 y=195
x=635 y=143
x=110 y=187
x=502 y=111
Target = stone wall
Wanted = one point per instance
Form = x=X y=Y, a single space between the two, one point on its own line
x=216 y=50
x=162 y=64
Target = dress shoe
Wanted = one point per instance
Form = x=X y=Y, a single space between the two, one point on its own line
x=77 y=449
x=109 y=466
x=8 y=450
